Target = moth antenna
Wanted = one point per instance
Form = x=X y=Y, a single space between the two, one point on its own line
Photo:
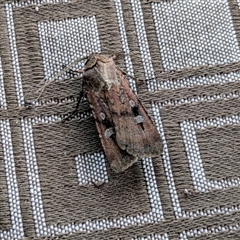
x=57 y=75
x=130 y=76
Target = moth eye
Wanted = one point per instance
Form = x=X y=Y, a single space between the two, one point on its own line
x=109 y=132
x=139 y=119
x=102 y=116
x=132 y=103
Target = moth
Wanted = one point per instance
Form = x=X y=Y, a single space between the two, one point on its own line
x=126 y=131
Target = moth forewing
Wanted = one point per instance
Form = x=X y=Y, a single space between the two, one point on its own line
x=135 y=131
x=126 y=130
x=119 y=159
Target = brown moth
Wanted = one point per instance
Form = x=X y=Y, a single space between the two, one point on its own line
x=126 y=130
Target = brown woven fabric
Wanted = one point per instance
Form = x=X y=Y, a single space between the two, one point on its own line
x=185 y=58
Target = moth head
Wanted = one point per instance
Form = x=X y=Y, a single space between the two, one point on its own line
x=92 y=60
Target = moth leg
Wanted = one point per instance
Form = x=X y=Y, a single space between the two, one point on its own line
x=124 y=73
x=128 y=75
x=71 y=73
x=81 y=94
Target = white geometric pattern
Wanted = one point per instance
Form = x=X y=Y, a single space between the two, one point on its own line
x=183 y=43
